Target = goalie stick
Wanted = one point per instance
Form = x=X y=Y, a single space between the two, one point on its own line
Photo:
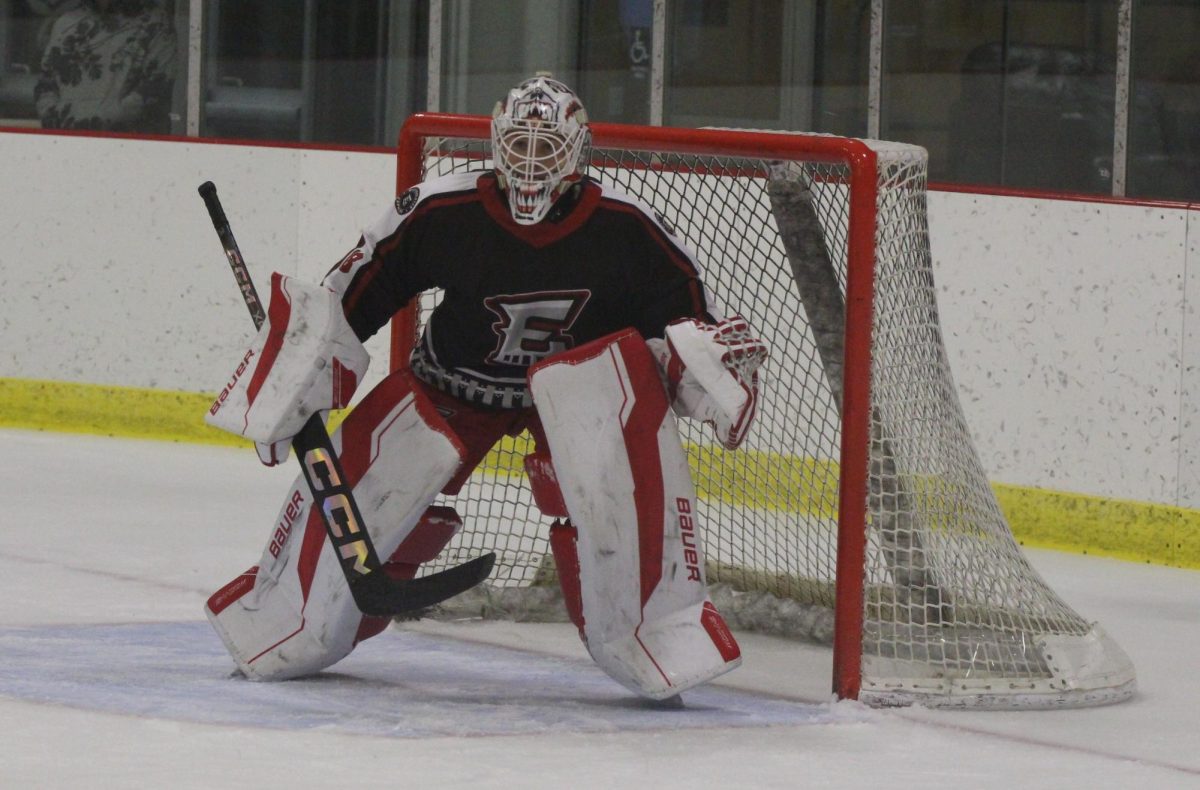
x=374 y=591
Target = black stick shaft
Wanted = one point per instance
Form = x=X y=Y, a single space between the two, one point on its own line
x=208 y=191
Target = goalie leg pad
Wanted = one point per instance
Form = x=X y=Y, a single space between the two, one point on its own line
x=298 y=617
x=647 y=619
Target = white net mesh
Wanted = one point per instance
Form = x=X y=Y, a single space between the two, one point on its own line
x=952 y=611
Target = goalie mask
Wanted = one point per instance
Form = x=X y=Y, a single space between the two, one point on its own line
x=539 y=138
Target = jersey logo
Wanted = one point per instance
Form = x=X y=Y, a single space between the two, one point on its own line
x=534 y=326
x=405 y=202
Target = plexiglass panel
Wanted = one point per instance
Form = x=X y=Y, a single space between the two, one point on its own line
x=1164 y=122
x=345 y=71
x=602 y=48
x=106 y=65
x=1012 y=92
x=768 y=64
x=1017 y=93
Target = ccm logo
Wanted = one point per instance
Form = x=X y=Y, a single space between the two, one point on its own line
x=284 y=528
x=237 y=374
x=687 y=527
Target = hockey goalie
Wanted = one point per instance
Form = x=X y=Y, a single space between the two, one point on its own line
x=569 y=310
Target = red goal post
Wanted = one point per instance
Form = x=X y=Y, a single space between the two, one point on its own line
x=908 y=521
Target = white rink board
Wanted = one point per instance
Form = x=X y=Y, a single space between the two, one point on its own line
x=1070 y=326
x=113 y=273
x=1063 y=323
x=1189 y=423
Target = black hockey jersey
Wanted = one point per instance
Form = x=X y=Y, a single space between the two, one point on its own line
x=514 y=294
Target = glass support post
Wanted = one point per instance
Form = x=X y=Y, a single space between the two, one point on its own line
x=875 y=71
x=1121 y=100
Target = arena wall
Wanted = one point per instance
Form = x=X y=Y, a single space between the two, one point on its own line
x=1070 y=324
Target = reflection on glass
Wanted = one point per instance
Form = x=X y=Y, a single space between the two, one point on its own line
x=614 y=61
x=24 y=31
x=770 y=64
x=1012 y=92
x=254 y=70
x=601 y=48
x=1164 y=120
x=345 y=71
x=489 y=47
x=841 y=59
x=726 y=62
x=106 y=65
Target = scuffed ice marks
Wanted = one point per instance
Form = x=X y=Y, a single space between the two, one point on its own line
x=400 y=685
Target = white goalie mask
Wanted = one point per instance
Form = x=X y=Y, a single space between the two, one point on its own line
x=539 y=140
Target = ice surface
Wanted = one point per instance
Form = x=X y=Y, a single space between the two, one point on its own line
x=109 y=676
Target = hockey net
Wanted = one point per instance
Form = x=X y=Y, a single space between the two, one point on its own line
x=857 y=512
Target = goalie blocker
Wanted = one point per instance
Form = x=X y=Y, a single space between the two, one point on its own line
x=304 y=359
x=640 y=599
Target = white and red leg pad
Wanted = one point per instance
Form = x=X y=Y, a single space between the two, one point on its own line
x=647 y=619
x=298 y=617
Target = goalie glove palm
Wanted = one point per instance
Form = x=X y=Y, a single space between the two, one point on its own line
x=711 y=373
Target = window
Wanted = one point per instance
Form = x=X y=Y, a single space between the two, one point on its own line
x=346 y=71
x=616 y=44
x=1018 y=93
x=1012 y=92
x=23 y=35
x=1164 y=118
x=601 y=48
x=134 y=78
x=768 y=64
